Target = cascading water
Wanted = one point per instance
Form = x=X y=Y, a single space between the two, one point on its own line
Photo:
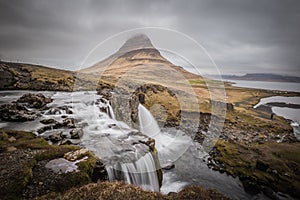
x=123 y=149
x=170 y=146
x=148 y=124
x=118 y=144
x=141 y=172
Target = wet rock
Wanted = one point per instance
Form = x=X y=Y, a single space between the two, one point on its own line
x=99 y=172
x=55 y=137
x=168 y=166
x=111 y=125
x=70 y=141
x=48 y=121
x=69 y=122
x=62 y=110
x=49 y=127
x=34 y=100
x=76 y=133
x=16 y=113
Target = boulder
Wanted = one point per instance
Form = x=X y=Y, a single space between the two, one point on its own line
x=66 y=141
x=69 y=122
x=34 y=100
x=48 y=121
x=16 y=113
x=62 y=110
x=99 y=172
x=168 y=166
x=75 y=155
x=55 y=137
x=76 y=133
x=49 y=127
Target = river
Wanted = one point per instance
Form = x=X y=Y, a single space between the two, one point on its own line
x=190 y=165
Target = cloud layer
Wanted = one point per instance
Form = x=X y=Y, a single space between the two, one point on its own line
x=241 y=36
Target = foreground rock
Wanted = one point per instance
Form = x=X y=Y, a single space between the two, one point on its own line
x=16 y=113
x=24 y=174
x=268 y=168
x=34 y=100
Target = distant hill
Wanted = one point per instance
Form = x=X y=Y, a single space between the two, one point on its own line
x=34 y=77
x=263 y=77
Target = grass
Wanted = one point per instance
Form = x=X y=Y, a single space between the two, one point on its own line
x=50 y=75
x=120 y=191
x=283 y=160
x=22 y=175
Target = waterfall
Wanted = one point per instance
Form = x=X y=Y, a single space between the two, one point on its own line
x=123 y=149
x=148 y=124
x=141 y=173
x=170 y=145
x=110 y=112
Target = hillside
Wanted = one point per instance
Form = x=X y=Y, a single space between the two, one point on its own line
x=34 y=77
x=263 y=77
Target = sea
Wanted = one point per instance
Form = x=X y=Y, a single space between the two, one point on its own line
x=291 y=114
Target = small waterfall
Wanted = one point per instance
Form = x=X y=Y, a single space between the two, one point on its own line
x=141 y=173
x=105 y=105
x=170 y=145
x=110 y=112
x=122 y=148
x=148 y=124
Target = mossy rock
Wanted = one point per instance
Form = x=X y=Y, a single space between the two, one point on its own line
x=28 y=152
x=281 y=165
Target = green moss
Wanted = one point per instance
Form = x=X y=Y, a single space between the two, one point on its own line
x=22 y=176
x=88 y=165
x=281 y=158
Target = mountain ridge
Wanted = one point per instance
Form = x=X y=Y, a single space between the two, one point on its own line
x=264 y=77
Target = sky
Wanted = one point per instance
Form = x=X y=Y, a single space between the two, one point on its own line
x=241 y=36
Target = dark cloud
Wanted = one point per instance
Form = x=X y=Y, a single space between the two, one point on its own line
x=241 y=36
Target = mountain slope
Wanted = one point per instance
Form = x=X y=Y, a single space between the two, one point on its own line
x=136 y=51
x=34 y=77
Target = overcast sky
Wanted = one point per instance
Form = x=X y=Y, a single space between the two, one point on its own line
x=241 y=36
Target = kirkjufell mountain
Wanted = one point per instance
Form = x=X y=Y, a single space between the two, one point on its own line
x=136 y=51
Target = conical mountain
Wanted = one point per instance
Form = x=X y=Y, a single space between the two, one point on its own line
x=136 y=51
x=140 y=41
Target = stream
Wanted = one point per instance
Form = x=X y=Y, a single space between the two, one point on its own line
x=109 y=139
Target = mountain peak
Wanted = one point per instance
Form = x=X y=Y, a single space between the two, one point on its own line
x=138 y=41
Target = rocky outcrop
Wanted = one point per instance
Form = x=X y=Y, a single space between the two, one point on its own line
x=266 y=167
x=16 y=113
x=24 y=174
x=34 y=100
x=155 y=97
x=76 y=133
